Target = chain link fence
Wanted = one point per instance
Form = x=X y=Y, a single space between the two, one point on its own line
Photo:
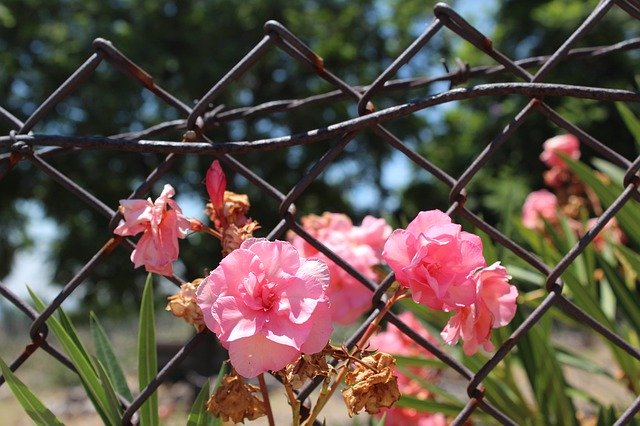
x=35 y=149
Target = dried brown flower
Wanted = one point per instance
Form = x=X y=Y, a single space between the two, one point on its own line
x=235 y=400
x=236 y=207
x=233 y=236
x=372 y=384
x=183 y=305
x=308 y=366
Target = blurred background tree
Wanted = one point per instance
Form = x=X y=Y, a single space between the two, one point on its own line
x=188 y=45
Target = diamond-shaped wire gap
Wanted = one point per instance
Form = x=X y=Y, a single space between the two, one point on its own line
x=282 y=38
x=459 y=25
x=8 y=121
x=570 y=342
x=17 y=313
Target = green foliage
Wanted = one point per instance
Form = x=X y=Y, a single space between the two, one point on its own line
x=108 y=359
x=98 y=388
x=199 y=415
x=34 y=408
x=147 y=357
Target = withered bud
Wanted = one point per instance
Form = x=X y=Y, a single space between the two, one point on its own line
x=183 y=305
x=307 y=367
x=372 y=384
x=235 y=401
x=233 y=236
x=236 y=207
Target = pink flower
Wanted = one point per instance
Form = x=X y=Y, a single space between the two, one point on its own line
x=567 y=144
x=539 y=205
x=267 y=305
x=161 y=226
x=360 y=246
x=494 y=307
x=610 y=233
x=400 y=416
x=433 y=257
x=395 y=342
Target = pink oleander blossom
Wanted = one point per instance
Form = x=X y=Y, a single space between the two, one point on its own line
x=267 y=305
x=401 y=416
x=161 y=223
x=610 y=233
x=360 y=246
x=567 y=144
x=495 y=307
x=433 y=257
x=537 y=206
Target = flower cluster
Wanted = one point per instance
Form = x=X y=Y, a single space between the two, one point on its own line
x=360 y=246
x=272 y=304
x=445 y=269
x=569 y=199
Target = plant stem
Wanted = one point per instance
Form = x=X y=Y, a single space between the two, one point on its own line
x=373 y=327
x=293 y=402
x=265 y=397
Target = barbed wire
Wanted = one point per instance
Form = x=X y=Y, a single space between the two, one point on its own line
x=25 y=146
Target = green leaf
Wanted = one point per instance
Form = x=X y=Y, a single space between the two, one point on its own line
x=631 y=121
x=607 y=193
x=198 y=415
x=628 y=300
x=112 y=398
x=147 y=357
x=429 y=405
x=108 y=359
x=96 y=389
x=382 y=420
x=34 y=408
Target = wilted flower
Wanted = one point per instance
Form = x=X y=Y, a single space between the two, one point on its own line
x=234 y=236
x=267 y=305
x=395 y=342
x=184 y=305
x=372 y=384
x=161 y=223
x=567 y=144
x=235 y=400
x=537 y=206
x=433 y=257
x=360 y=246
x=494 y=307
x=306 y=367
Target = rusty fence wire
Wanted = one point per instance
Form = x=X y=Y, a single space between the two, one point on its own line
x=23 y=146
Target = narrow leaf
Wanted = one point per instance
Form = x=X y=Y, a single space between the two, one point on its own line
x=108 y=359
x=112 y=398
x=630 y=120
x=147 y=357
x=84 y=367
x=34 y=408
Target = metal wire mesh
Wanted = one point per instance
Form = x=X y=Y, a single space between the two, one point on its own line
x=36 y=148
